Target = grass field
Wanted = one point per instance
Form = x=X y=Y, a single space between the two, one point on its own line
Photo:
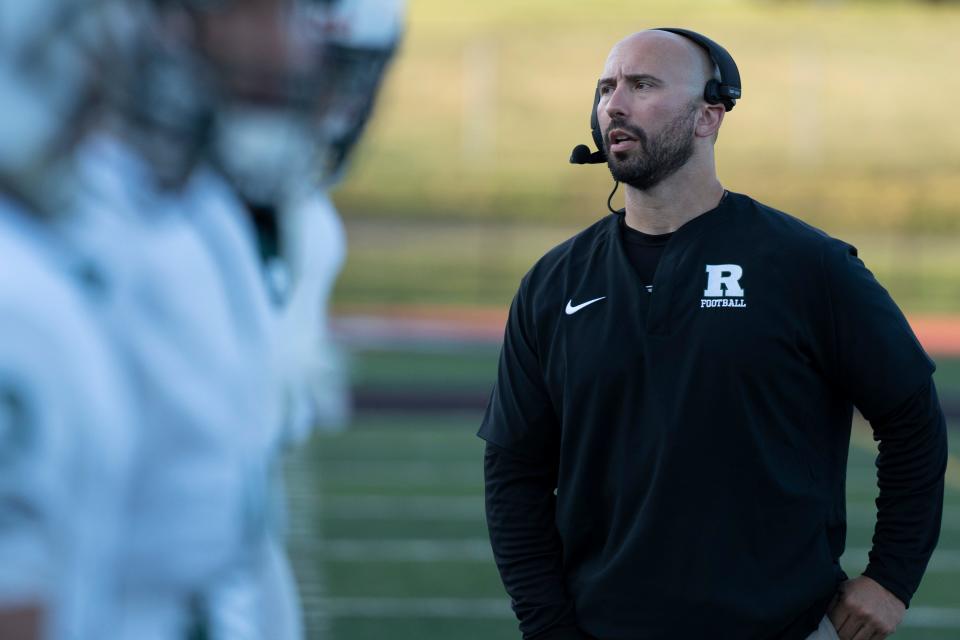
x=387 y=528
x=847 y=122
x=846 y=118
x=481 y=262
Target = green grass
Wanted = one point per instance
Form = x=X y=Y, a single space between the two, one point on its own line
x=846 y=118
x=459 y=262
x=468 y=367
x=366 y=519
x=948 y=377
x=426 y=514
x=465 y=629
x=847 y=122
x=388 y=533
x=475 y=367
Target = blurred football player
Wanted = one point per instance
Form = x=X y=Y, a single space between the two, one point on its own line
x=65 y=410
x=282 y=156
x=363 y=36
x=189 y=313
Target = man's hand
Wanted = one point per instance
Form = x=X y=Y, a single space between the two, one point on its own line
x=863 y=610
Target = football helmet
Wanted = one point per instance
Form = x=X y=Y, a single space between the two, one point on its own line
x=53 y=56
x=364 y=36
x=299 y=137
x=162 y=98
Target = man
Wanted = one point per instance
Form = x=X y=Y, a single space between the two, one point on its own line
x=65 y=406
x=668 y=434
x=282 y=159
x=188 y=313
x=281 y=156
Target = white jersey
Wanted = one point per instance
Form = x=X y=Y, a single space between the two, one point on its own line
x=260 y=602
x=65 y=441
x=312 y=364
x=194 y=325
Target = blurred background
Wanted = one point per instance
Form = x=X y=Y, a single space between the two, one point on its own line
x=848 y=121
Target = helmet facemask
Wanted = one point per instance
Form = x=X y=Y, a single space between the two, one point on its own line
x=295 y=140
x=54 y=57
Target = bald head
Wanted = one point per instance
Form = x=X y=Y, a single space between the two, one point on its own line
x=676 y=59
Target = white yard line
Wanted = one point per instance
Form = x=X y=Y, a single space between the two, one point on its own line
x=362 y=473
x=460 y=550
x=943 y=560
x=414 y=607
x=460 y=508
x=305 y=509
x=861 y=512
x=861 y=438
x=406 y=508
x=478 y=550
x=933 y=618
x=499 y=608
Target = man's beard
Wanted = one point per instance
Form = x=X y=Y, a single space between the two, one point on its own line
x=656 y=158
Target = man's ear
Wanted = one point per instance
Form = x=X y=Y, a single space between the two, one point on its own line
x=711 y=117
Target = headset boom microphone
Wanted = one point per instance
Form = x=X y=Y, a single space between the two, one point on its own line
x=581 y=154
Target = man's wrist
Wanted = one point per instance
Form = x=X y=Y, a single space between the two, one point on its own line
x=880 y=577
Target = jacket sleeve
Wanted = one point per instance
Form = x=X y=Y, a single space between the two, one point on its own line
x=520 y=507
x=880 y=365
x=520 y=415
x=910 y=473
x=520 y=474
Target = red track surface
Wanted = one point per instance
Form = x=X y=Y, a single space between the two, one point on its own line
x=939 y=334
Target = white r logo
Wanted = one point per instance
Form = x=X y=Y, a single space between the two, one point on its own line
x=723 y=280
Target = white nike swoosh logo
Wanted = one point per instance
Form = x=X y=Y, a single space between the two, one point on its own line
x=573 y=309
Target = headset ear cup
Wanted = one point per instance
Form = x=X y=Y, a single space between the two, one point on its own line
x=713 y=93
x=595 y=122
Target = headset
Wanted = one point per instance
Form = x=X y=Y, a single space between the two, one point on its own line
x=725 y=91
